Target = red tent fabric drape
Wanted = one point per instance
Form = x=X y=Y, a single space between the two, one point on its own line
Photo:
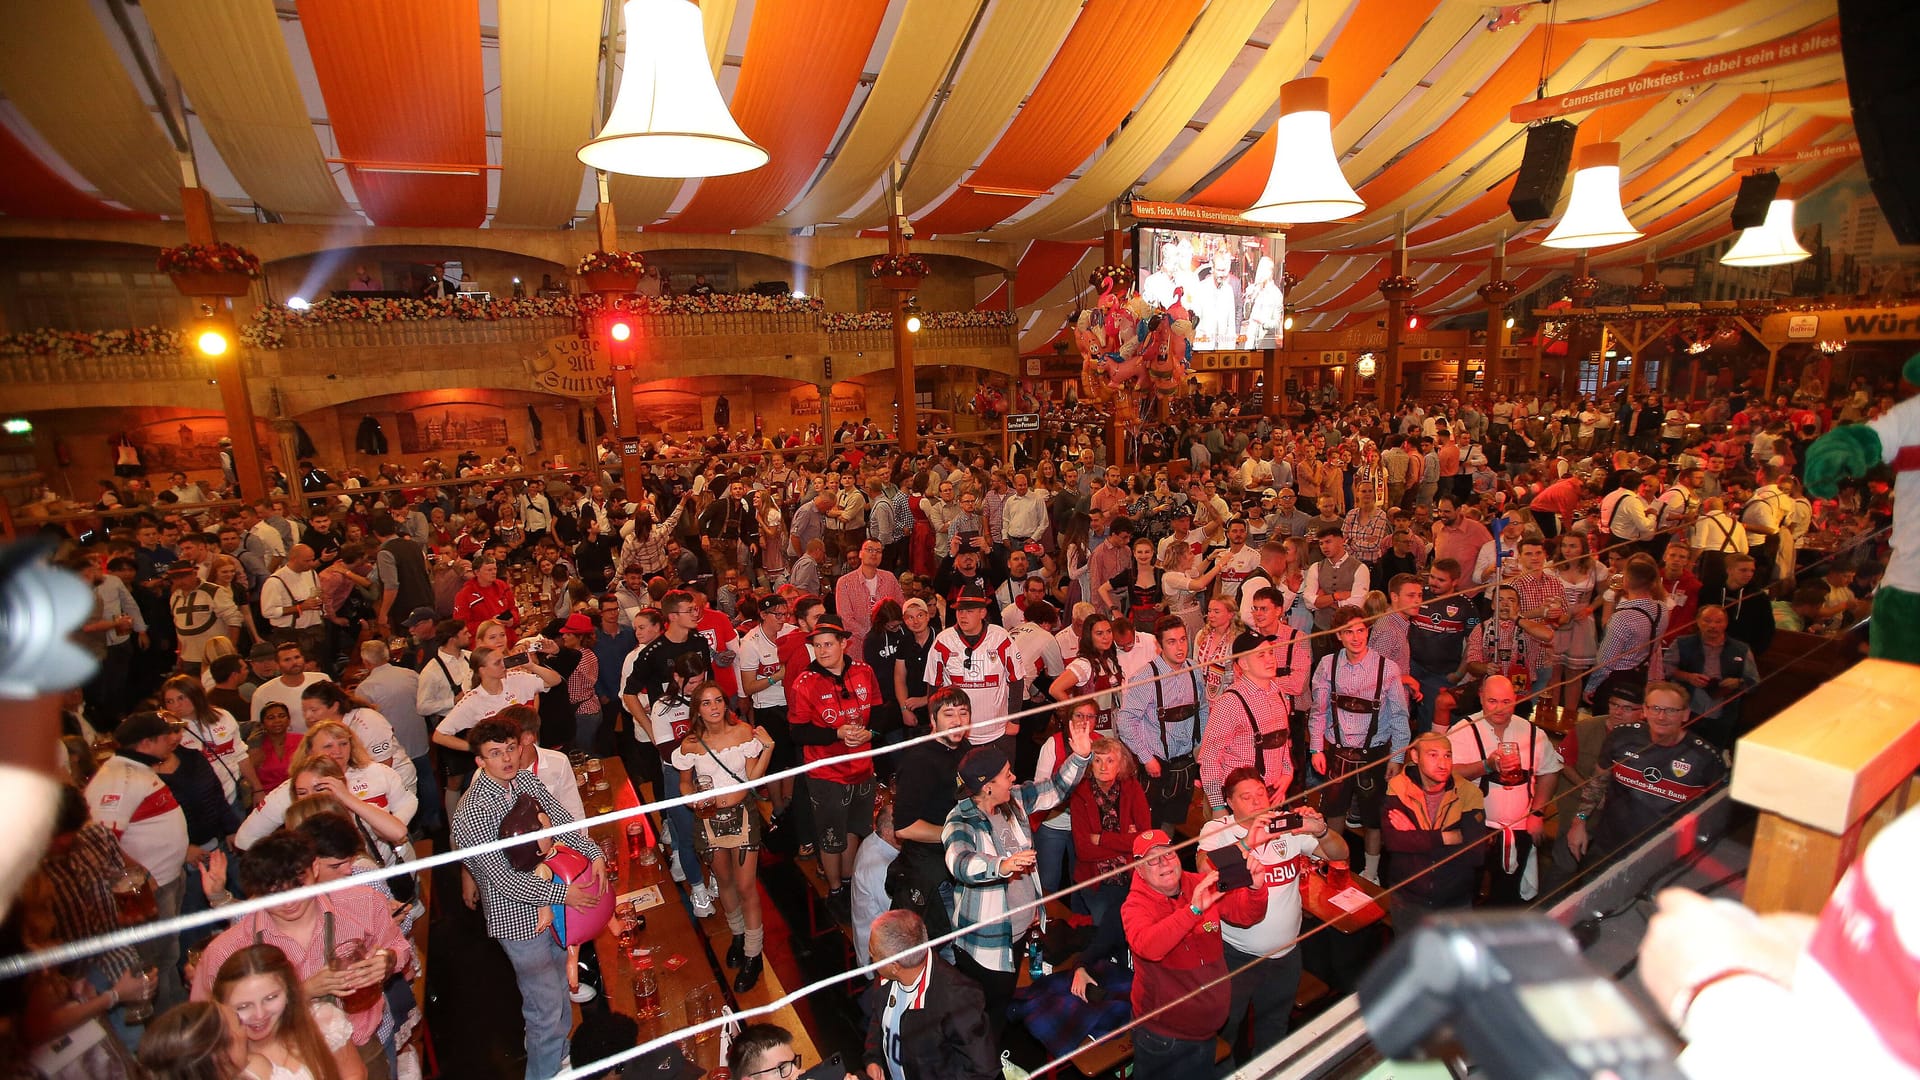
x=402 y=82
x=29 y=189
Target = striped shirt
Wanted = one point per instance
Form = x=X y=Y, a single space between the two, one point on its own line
x=1389 y=638
x=82 y=875
x=1367 y=536
x=1631 y=636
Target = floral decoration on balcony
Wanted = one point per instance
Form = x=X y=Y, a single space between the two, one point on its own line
x=1400 y=286
x=843 y=321
x=1121 y=274
x=712 y=304
x=908 y=265
x=1580 y=286
x=1498 y=291
x=84 y=344
x=612 y=262
x=215 y=258
x=1649 y=292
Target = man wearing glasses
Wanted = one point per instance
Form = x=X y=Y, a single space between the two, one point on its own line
x=765 y=1052
x=1646 y=773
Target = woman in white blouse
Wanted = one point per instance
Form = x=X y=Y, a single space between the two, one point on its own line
x=721 y=751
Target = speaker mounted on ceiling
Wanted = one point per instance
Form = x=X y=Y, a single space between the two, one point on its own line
x=1878 y=40
x=1543 y=170
x=1757 y=191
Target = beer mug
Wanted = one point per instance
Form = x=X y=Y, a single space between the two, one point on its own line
x=134 y=902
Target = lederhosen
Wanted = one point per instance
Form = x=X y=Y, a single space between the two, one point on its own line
x=1638 y=674
x=1511 y=846
x=1264 y=741
x=1169 y=794
x=1352 y=764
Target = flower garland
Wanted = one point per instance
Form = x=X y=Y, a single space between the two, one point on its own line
x=908 y=265
x=84 y=344
x=711 y=304
x=216 y=258
x=1121 y=274
x=844 y=321
x=616 y=262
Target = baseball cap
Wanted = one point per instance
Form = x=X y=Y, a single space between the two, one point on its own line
x=422 y=614
x=982 y=765
x=1149 y=840
x=263 y=650
x=914 y=602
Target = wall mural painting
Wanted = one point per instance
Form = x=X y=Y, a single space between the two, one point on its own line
x=849 y=398
x=441 y=428
x=185 y=444
x=675 y=412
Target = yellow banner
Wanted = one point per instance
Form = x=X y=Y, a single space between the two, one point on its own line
x=571 y=366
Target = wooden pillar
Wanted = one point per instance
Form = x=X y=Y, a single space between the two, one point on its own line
x=621 y=355
x=1389 y=369
x=905 y=411
x=229 y=370
x=1496 y=293
x=1114 y=252
x=1773 y=363
x=1824 y=790
x=1273 y=368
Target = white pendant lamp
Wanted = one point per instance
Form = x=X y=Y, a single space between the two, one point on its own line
x=1770 y=243
x=1306 y=183
x=668 y=119
x=1594 y=218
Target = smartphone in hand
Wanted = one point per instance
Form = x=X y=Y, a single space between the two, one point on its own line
x=1231 y=864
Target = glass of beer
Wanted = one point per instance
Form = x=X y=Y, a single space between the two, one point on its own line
x=705 y=808
x=646 y=991
x=1338 y=875
x=139 y=1009
x=133 y=896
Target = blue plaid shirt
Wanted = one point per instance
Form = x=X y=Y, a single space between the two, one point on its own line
x=973 y=858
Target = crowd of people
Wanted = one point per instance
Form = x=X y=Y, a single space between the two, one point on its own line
x=1494 y=623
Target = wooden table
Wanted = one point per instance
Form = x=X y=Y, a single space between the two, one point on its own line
x=673 y=932
x=1315 y=900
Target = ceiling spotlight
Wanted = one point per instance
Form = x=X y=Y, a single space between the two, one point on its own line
x=1509 y=322
x=914 y=321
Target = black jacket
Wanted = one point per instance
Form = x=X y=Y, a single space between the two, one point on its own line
x=370 y=439
x=945 y=1039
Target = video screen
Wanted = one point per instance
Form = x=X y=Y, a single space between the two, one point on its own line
x=1230 y=282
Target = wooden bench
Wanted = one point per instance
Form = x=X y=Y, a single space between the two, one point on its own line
x=1107 y=1058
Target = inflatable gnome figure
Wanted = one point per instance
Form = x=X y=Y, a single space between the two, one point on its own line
x=1849 y=451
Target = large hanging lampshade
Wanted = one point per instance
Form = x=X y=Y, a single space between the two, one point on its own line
x=1306 y=183
x=1770 y=243
x=1594 y=218
x=668 y=119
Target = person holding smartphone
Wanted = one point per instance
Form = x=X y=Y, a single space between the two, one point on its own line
x=1272 y=849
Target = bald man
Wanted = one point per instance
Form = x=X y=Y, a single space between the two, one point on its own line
x=1517 y=769
x=290 y=601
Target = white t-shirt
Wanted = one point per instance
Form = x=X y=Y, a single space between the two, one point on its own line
x=555 y=772
x=1284 y=860
x=1039 y=652
x=1134 y=658
x=1505 y=805
x=1234 y=569
x=670 y=721
x=516 y=688
x=374 y=784
x=376 y=734
x=986 y=672
x=131 y=799
x=220 y=743
x=276 y=689
x=762 y=657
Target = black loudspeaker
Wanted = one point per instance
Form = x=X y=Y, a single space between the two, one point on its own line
x=1878 y=41
x=1543 y=170
x=1756 y=194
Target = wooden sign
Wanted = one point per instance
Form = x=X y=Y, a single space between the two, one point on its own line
x=572 y=366
x=1023 y=421
x=1843 y=324
x=1814 y=41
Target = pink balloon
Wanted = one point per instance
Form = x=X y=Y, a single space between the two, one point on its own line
x=576 y=925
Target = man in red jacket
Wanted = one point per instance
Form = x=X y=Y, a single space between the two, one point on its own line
x=827 y=708
x=1172 y=918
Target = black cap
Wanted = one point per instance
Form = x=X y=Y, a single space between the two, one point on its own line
x=140 y=727
x=420 y=615
x=981 y=765
x=971 y=597
x=263 y=650
x=1248 y=640
x=829 y=624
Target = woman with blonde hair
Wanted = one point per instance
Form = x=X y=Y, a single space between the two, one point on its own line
x=225 y=572
x=288 y=1037
x=331 y=759
x=217 y=646
x=1213 y=646
x=324 y=701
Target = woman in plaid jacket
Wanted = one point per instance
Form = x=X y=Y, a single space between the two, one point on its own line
x=989 y=848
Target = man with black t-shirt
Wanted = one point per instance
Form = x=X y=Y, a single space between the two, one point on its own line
x=968 y=571
x=927 y=791
x=1437 y=638
x=653 y=668
x=1646 y=773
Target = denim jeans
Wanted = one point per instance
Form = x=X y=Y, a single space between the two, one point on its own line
x=540 y=967
x=1109 y=940
x=433 y=809
x=586 y=731
x=1431 y=683
x=164 y=952
x=1156 y=1055
x=680 y=826
x=1054 y=849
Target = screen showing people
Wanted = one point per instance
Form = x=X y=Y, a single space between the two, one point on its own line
x=1230 y=283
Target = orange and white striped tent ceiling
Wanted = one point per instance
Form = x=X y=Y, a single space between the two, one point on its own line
x=313 y=110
